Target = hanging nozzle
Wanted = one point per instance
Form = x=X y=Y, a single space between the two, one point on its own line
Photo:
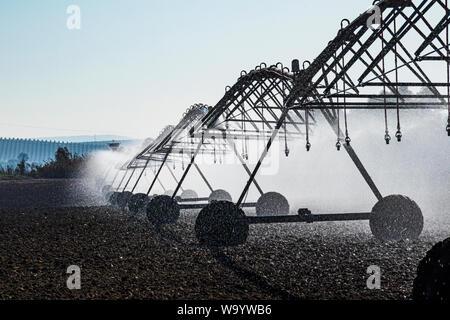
x=348 y=140
x=308 y=146
x=399 y=136
x=387 y=138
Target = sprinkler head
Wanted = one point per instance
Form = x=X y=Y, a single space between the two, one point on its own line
x=399 y=136
x=338 y=146
x=387 y=138
x=308 y=146
x=348 y=140
x=287 y=152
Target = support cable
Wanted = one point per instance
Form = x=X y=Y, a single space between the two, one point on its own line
x=308 y=144
x=338 y=143
x=182 y=159
x=347 y=137
x=448 y=74
x=214 y=147
x=387 y=136
x=244 y=131
x=398 y=135
x=286 y=148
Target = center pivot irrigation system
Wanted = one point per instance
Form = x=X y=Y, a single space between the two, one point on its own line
x=365 y=67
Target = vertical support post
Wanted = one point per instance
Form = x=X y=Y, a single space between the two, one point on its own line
x=263 y=155
x=187 y=170
x=121 y=181
x=233 y=145
x=129 y=179
x=354 y=157
x=203 y=177
x=140 y=175
x=162 y=186
x=159 y=171
x=160 y=183
x=173 y=175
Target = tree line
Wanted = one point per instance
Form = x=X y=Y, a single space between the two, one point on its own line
x=64 y=165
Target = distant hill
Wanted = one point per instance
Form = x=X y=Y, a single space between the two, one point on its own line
x=87 y=138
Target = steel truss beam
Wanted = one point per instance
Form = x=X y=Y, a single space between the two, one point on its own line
x=348 y=74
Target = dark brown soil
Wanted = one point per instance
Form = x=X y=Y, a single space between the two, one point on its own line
x=42 y=193
x=123 y=257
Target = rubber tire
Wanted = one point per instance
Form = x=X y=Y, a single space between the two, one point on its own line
x=219 y=195
x=433 y=274
x=396 y=218
x=119 y=199
x=113 y=198
x=163 y=210
x=216 y=225
x=138 y=203
x=189 y=194
x=123 y=198
x=272 y=204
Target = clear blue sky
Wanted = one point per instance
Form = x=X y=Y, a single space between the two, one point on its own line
x=136 y=65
